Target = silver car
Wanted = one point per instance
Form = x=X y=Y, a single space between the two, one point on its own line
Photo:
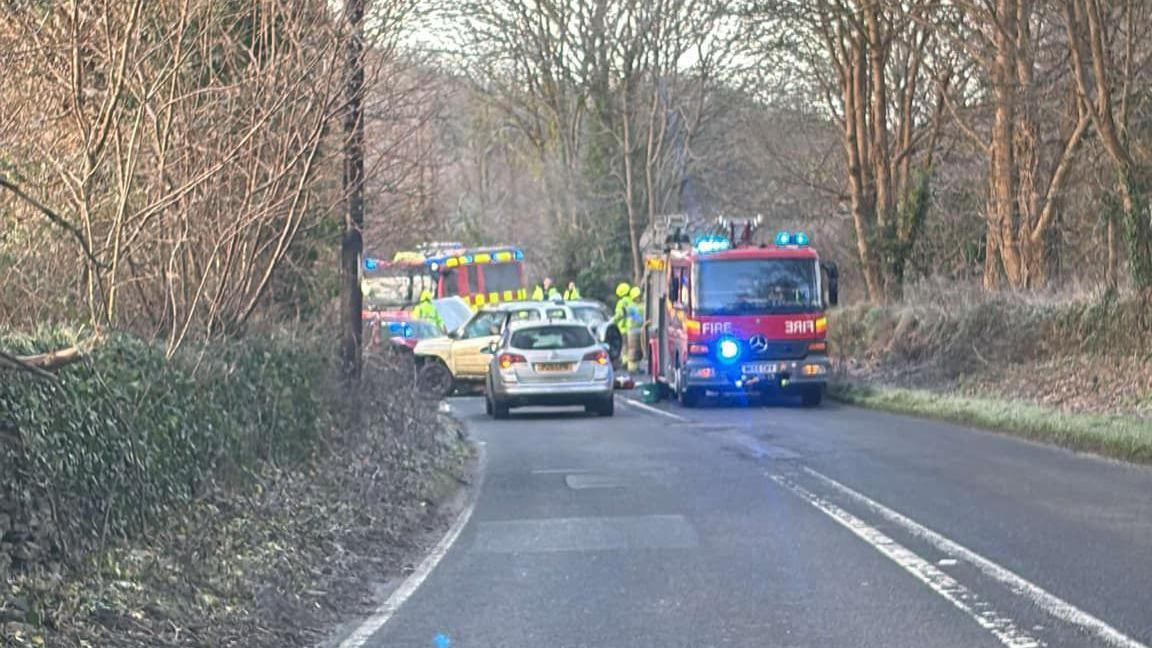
x=548 y=363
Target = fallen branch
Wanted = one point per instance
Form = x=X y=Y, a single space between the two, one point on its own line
x=54 y=360
x=8 y=361
x=42 y=364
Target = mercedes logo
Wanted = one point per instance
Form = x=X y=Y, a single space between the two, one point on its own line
x=758 y=343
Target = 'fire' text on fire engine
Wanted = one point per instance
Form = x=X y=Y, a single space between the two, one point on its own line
x=799 y=327
x=712 y=328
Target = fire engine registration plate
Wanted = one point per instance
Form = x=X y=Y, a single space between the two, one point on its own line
x=760 y=368
x=553 y=367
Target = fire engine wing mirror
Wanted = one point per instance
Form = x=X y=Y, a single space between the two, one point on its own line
x=833 y=274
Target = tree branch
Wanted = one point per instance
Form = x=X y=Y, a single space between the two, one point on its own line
x=55 y=218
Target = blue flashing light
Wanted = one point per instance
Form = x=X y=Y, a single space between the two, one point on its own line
x=712 y=243
x=799 y=239
x=370 y=263
x=468 y=259
x=519 y=255
x=728 y=350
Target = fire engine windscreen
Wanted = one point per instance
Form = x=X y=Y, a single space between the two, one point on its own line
x=748 y=286
x=395 y=288
x=499 y=277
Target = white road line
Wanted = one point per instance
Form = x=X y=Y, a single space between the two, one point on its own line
x=653 y=410
x=1039 y=597
x=560 y=471
x=1001 y=626
x=384 y=613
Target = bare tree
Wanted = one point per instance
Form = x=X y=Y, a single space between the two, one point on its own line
x=1104 y=62
x=869 y=62
x=176 y=144
x=1032 y=143
x=609 y=94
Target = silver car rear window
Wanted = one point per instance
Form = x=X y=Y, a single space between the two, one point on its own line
x=552 y=337
x=589 y=314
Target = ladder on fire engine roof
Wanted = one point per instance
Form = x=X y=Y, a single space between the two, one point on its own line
x=672 y=230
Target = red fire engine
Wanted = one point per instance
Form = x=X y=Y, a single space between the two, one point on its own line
x=739 y=317
x=482 y=275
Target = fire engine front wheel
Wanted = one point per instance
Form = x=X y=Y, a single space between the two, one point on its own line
x=688 y=396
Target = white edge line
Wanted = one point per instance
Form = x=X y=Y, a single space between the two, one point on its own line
x=1000 y=626
x=401 y=594
x=1040 y=597
x=653 y=410
x=560 y=471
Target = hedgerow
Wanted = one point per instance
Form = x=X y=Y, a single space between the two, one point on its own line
x=959 y=332
x=126 y=434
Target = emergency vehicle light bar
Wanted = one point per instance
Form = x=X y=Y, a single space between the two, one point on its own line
x=797 y=239
x=711 y=243
x=498 y=256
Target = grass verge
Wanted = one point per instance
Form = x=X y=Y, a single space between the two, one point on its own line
x=1119 y=437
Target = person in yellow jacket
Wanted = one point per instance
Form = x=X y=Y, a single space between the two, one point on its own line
x=545 y=290
x=571 y=292
x=635 y=307
x=634 y=332
x=623 y=303
x=426 y=311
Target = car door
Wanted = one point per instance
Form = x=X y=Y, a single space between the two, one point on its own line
x=468 y=359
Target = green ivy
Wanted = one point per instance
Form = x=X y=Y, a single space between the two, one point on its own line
x=126 y=434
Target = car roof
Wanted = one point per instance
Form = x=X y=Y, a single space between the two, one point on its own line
x=544 y=303
x=532 y=324
x=509 y=307
x=504 y=307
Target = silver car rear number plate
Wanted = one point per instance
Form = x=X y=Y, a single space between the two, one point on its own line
x=554 y=367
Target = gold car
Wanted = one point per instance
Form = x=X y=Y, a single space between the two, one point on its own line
x=458 y=359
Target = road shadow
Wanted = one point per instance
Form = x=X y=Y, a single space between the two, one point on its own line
x=551 y=414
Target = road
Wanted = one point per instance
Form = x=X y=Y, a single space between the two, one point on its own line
x=781 y=526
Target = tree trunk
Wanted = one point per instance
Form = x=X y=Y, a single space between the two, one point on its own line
x=1002 y=207
x=1138 y=230
x=993 y=273
x=1111 y=271
x=630 y=192
x=352 y=242
x=860 y=187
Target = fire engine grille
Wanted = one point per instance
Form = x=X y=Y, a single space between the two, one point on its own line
x=781 y=351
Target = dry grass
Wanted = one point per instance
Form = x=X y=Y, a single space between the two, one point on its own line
x=960 y=331
x=1070 y=369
